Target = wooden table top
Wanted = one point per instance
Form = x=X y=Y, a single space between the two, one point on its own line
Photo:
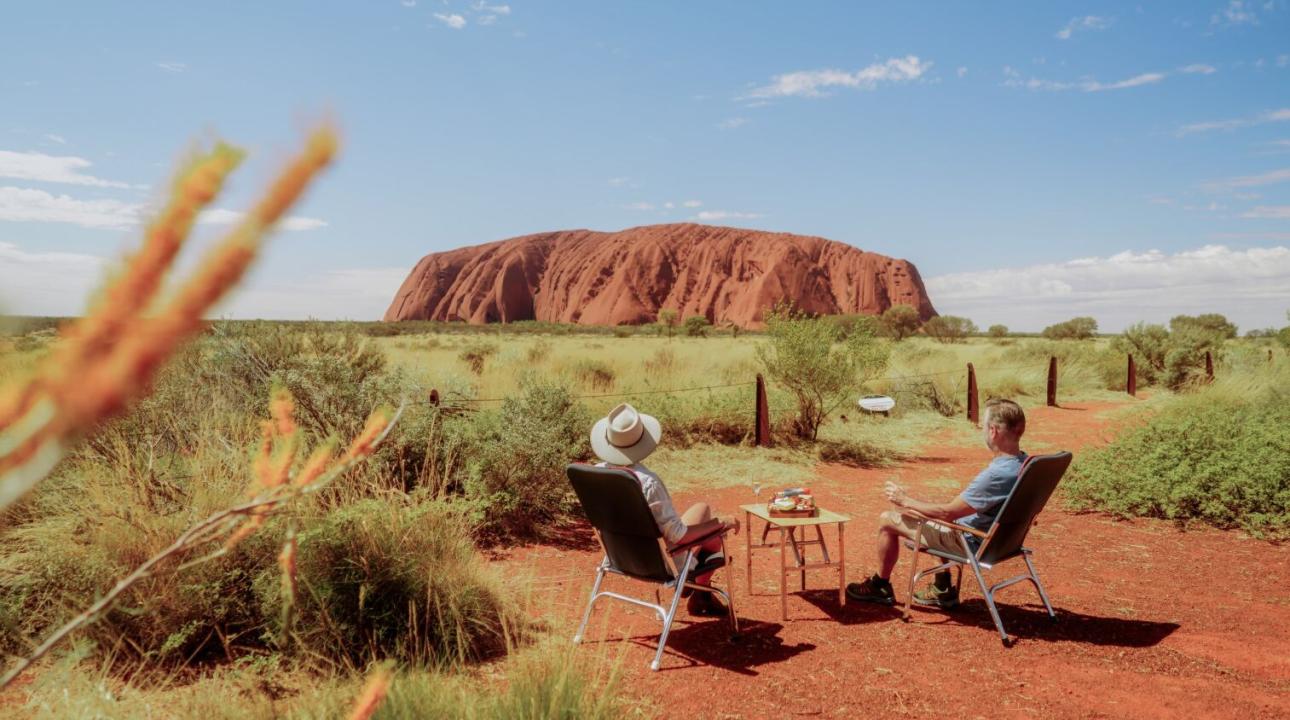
x=823 y=518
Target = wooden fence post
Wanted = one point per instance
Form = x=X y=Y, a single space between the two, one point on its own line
x=762 y=430
x=973 y=410
x=434 y=397
x=1131 y=384
x=1209 y=366
x=1052 y=381
x=1269 y=356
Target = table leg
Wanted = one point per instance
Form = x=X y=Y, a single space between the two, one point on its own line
x=783 y=575
x=842 y=567
x=748 y=550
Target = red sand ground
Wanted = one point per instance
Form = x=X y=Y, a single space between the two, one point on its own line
x=1153 y=621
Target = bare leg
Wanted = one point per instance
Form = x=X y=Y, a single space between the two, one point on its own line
x=890 y=532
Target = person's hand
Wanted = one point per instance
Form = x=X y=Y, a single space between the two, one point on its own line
x=731 y=522
x=896 y=494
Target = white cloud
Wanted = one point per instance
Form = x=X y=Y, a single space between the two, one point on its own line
x=492 y=9
x=28 y=205
x=1269 y=116
x=59 y=283
x=52 y=137
x=1251 y=287
x=1088 y=22
x=1268 y=178
x=173 y=67
x=811 y=83
x=1236 y=13
x=640 y=206
x=962 y=71
x=712 y=215
x=46 y=283
x=692 y=204
x=409 y=3
x=65 y=169
x=1269 y=212
x=454 y=21
x=1200 y=68
x=293 y=223
x=1013 y=79
x=732 y=123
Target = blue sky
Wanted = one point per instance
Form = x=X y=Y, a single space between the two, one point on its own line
x=1036 y=161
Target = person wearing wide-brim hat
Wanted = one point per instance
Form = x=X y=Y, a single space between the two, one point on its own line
x=624 y=438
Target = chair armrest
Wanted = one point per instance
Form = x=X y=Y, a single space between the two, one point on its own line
x=682 y=547
x=946 y=523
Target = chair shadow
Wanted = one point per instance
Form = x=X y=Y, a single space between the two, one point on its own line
x=853 y=613
x=709 y=643
x=1031 y=622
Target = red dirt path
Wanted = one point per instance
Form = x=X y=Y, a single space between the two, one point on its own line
x=1153 y=622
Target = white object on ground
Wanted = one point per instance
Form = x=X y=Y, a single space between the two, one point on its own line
x=876 y=403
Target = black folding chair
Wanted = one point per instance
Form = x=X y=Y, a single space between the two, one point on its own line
x=1039 y=477
x=634 y=546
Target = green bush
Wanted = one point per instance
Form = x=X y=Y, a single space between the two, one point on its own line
x=392 y=578
x=1080 y=328
x=1215 y=456
x=597 y=374
x=808 y=356
x=476 y=353
x=900 y=321
x=949 y=328
x=998 y=331
x=697 y=326
x=512 y=460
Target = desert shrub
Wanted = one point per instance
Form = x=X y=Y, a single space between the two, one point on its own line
x=719 y=416
x=595 y=373
x=667 y=318
x=949 y=328
x=392 y=578
x=624 y=331
x=856 y=453
x=538 y=352
x=1175 y=358
x=1217 y=457
x=476 y=353
x=900 y=321
x=336 y=378
x=662 y=362
x=804 y=355
x=697 y=326
x=849 y=324
x=1207 y=323
x=35 y=340
x=998 y=331
x=513 y=458
x=1080 y=328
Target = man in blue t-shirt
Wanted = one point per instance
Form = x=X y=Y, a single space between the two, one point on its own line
x=975 y=507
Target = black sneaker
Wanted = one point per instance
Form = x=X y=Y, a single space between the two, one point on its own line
x=873 y=590
x=705 y=604
x=934 y=597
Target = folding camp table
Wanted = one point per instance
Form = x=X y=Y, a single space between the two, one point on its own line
x=788 y=537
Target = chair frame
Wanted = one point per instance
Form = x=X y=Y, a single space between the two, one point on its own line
x=665 y=614
x=973 y=560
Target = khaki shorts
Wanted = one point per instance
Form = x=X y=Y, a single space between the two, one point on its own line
x=935 y=537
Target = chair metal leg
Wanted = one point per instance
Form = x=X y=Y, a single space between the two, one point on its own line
x=1034 y=578
x=989 y=600
x=595 y=591
x=671 y=613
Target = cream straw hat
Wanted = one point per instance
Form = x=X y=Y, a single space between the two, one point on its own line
x=625 y=436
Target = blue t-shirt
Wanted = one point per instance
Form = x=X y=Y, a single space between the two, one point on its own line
x=988 y=490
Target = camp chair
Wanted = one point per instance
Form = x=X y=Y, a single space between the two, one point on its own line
x=634 y=546
x=1038 y=479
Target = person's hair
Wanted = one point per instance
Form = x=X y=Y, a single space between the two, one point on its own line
x=1006 y=415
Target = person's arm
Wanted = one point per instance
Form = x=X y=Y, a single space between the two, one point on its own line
x=952 y=510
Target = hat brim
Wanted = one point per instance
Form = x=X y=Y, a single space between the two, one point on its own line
x=626 y=455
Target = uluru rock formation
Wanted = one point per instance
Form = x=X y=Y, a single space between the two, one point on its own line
x=728 y=275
